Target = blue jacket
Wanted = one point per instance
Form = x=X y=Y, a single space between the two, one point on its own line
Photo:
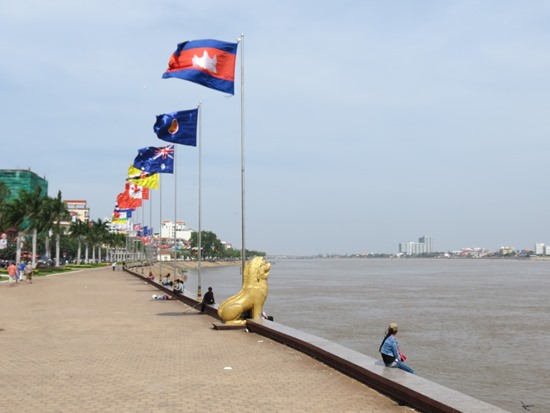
x=390 y=347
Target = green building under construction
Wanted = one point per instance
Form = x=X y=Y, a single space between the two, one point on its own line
x=17 y=180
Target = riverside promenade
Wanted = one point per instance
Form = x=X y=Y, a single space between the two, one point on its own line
x=94 y=341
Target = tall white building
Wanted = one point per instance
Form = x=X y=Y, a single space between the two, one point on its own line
x=180 y=230
x=423 y=246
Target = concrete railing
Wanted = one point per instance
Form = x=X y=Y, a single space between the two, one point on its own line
x=211 y=309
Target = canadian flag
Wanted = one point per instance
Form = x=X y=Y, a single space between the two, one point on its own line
x=137 y=191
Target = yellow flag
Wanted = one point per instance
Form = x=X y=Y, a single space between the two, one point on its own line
x=142 y=178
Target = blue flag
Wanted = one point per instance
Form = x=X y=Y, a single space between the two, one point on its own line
x=155 y=160
x=178 y=127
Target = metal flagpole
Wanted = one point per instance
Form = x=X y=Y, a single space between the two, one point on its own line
x=151 y=243
x=199 y=234
x=243 y=251
x=175 y=218
x=160 y=228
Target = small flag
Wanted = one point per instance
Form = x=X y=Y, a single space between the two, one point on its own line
x=141 y=178
x=119 y=215
x=119 y=220
x=127 y=213
x=124 y=201
x=137 y=191
x=178 y=127
x=210 y=63
x=155 y=160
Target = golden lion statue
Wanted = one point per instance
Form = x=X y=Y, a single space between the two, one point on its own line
x=251 y=297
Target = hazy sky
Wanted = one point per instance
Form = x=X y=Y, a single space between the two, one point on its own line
x=367 y=123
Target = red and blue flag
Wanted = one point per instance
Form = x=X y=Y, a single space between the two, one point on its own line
x=178 y=127
x=210 y=63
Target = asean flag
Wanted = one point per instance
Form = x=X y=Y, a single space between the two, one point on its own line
x=210 y=63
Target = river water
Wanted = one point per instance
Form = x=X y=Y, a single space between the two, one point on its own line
x=481 y=327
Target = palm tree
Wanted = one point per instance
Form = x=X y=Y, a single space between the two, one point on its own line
x=14 y=216
x=116 y=243
x=79 y=230
x=4 y=195
x=32 y=202
x=23 y=213
x=97 y=236
x=53 y=212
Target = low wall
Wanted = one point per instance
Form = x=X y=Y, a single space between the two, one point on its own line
x=410 y=389
x=186 y=298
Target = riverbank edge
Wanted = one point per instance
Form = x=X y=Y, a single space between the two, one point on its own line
x=409 y=389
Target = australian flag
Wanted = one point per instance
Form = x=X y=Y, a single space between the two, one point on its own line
x=155 y=160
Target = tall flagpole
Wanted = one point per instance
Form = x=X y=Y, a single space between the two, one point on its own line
x=160 y=228
x=151 y=242
x=243 y=251
x=175 y=218
x=199 y=235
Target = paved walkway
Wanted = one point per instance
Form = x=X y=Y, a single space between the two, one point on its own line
x=95 y=341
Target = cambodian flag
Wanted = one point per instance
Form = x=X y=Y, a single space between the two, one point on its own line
x=178 y=127
x=210 y=63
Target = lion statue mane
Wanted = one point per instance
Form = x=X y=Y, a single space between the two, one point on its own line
x=252 y=295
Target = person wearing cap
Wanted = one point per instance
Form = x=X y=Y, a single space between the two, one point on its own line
x=390 y=350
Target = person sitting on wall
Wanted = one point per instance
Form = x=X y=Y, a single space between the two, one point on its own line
x=166 y=281
x=389 y=349
x=179 y=288
x=208 y=299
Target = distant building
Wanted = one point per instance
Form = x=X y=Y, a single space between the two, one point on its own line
x=18 y=180
x=540 y=248
x=78 y=210
x=164 y=256
x=168 y=230
x=506 y=250
x=423 y=246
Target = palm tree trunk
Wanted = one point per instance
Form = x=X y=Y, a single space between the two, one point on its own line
x=48 y=252
x=86 y=254
x=18 y=249
x=78 y=256
x=34 y=236
x=57 y=248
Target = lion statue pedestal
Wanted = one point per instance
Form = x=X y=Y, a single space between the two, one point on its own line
x=251 y=297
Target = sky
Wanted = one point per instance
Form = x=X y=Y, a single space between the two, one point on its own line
x=365 y=123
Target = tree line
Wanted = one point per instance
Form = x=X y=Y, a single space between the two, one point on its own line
x=33 y=218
